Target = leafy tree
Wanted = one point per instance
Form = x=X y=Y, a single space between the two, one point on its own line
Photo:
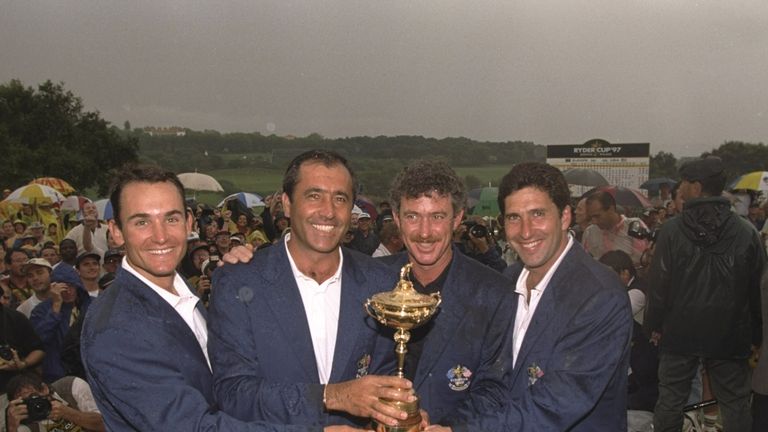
x=741 y=157
x=46 y=132
x=663 y=164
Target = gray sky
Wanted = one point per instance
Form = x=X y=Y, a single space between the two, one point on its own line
x=683 y=75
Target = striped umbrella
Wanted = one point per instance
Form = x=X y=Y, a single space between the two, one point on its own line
x=56 y=183
x=35 y=193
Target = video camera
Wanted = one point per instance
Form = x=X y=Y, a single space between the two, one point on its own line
x=638 y=231
x=474 y=229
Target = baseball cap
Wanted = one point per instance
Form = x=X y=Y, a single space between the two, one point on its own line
x=42 y=262
x=702 y=168
x=85 y=255
x=364 y=215
x=192 y=236
x=113 y=253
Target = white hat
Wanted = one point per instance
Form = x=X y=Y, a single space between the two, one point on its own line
x=356 y=210
x=364 y=215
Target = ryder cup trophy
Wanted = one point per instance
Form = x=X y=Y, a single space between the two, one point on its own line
x=402 y=309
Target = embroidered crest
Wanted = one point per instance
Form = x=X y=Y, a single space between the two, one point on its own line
x=534 y=373
x=362 y=365
x=458 y=378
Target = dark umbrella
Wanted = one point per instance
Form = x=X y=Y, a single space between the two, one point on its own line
x=654 y=184
x=624 y=196
x=584 y=177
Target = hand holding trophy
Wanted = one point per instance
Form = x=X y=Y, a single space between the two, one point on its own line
x=402 y=309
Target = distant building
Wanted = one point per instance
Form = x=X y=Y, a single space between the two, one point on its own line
x=165 y=131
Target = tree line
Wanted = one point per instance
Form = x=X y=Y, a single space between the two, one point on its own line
x=47 y=132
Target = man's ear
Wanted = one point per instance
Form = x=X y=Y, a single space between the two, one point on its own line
x=116 y=233
x=286 y=205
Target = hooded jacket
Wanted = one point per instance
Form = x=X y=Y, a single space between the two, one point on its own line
x=52 y=327
x=704 y=283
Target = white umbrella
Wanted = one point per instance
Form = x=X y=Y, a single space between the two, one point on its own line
x=250 y=200
x=200 y=182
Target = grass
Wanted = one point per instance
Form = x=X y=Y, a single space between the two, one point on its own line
x=265 y=181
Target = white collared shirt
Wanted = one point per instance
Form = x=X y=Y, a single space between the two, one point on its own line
x=525 y=308
x=184 y=304
x=322 y=303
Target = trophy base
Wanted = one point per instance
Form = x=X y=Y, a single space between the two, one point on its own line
x=410 y=424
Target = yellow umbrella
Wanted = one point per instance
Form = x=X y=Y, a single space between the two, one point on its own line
x=56 y=183
x=756 y=181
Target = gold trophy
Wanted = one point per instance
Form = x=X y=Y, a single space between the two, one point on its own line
x=402 y=309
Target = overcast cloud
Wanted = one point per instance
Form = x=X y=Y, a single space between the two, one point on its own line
x=683 y=75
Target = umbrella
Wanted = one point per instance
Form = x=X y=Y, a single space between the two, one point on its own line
x=200 y=182
x=35 y=193
x=756 y=181
x=366 y=204
x=104 y=206
x=584 y=177
x=248 y=199
x=74 y=203
x=654 y=184
x=56 y=183
x=487 y=204
x=624 y=196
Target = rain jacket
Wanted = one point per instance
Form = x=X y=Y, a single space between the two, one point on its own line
x=53 y=327
x=704 y=283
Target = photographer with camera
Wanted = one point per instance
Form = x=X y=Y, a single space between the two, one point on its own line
x=475 y=240
x=610 y=229
x=66 y=405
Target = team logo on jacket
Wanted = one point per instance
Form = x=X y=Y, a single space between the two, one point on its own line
x=534 y=373
x=458 y=378
x=362 y=365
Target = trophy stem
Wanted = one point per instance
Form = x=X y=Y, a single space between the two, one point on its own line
x=401 y=337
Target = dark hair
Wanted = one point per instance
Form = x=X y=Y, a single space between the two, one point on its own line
x=713 y=185
x=46 y=246
x=9 y=254
x=388 y=232
x=328 y=158
x=538 y=175
x=619 y=260
x=22 y=380
x=425 y=178
x=673 y=191
x=67 y=240
x=140 y=174
x=605 y=199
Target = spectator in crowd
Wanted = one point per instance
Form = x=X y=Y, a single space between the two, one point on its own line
x=223 y=242
x=72 y=405
x=134 y=379
x=23 y=349
x=664 y=195
x=15 y=259
x=37 y=230
x=475 y=240
x=68 y=252
x=258 y=239
x=581 y=219
x=53 y=232
x=704 y=299
x=50 y=254
x=53 y=318
x=644 y=356
x=198 y=256
x=391 y=241
x=96 y=231
x=308 y=292
x=610 y=230
x=38 y=272
x=572 y=325
x=8 y=233
x=366 y=240
x=112 y=259
x=466 y=338
x=756 y=216
x=88 y=266
x=19 y=226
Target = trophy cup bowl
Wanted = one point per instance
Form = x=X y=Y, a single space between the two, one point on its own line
x=402 y=309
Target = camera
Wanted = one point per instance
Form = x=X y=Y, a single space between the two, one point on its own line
x=638 y=231
x=210 y=265
x=474 y=229
x=38 y=408
x=6 y=353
